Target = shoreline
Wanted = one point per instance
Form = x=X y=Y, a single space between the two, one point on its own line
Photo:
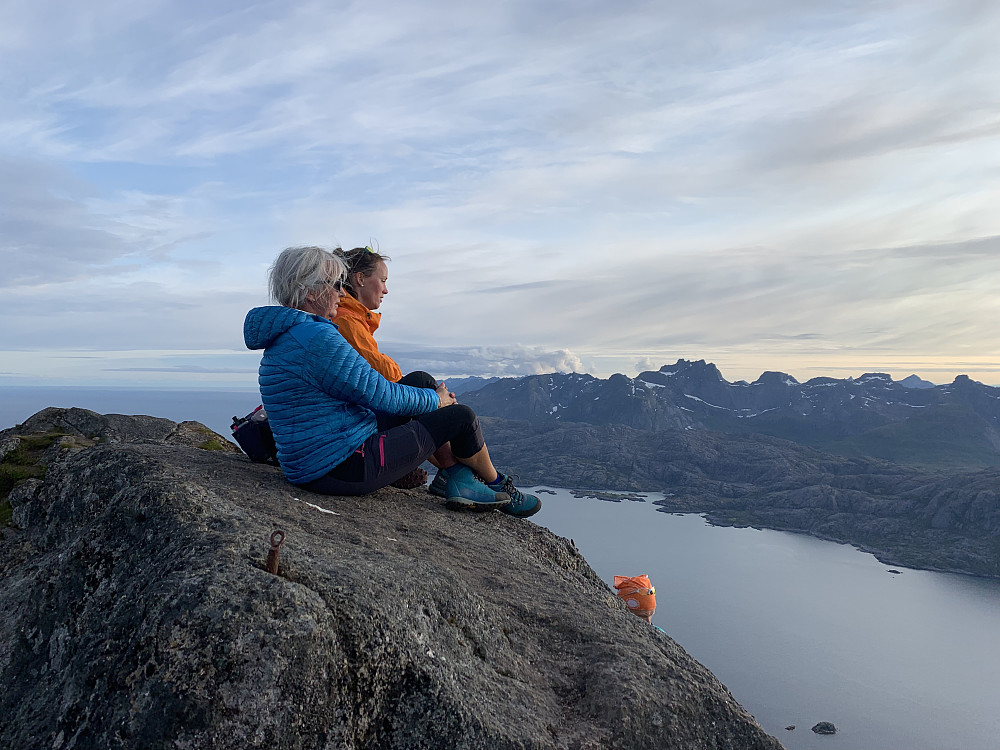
x=666 y=505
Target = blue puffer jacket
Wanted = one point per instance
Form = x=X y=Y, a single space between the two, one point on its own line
x=320 y=394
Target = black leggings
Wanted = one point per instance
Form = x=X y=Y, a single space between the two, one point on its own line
x=389 y=454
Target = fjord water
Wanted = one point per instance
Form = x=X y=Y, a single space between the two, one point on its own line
x=801 y=630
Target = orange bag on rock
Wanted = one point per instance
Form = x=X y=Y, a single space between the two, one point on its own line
x=637 y=592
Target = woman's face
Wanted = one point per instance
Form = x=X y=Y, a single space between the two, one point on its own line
x=324 y=300
x=371 y=289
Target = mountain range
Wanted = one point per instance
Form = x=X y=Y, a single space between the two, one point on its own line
x=911 y=474
x=910 y=421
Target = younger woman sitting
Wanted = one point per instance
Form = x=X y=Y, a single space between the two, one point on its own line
x=366 y=277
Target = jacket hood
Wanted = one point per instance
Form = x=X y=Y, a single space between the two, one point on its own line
x=351 y=308
x=264 y=324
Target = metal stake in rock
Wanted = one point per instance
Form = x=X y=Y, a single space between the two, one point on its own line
x=277 y=539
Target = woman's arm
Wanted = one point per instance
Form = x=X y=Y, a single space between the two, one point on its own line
x=339 y=371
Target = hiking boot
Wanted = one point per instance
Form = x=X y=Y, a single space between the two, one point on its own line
x=439 y=486
x=521 y=505
x=412 y=479
x=466 y=491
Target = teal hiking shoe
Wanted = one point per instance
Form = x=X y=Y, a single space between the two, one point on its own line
x=439 y=486
x=465 y=491
x=521 y=505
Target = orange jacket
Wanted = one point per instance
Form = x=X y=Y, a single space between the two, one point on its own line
x=357 y=324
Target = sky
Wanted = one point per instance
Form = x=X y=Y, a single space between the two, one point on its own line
x=561 y=186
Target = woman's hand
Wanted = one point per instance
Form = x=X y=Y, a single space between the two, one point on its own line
x=445 y=397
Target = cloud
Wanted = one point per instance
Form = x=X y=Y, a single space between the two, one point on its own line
x=118 y=316
x=559 y=177
x=187 y=369
x=56 y=227
x=894 y=298
x=502 y=113
x=46 y=233
x=645 y=364
x=484 y=360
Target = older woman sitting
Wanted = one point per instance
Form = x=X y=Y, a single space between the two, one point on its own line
x=323 y=400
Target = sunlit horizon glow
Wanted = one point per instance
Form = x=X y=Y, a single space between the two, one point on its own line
x=237 y=370
x=561 y=187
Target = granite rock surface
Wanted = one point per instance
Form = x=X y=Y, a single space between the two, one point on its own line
x=135 y=611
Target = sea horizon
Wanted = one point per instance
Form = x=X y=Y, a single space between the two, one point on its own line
x=213 y=407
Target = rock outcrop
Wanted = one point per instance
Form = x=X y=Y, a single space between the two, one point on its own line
x=135 y=612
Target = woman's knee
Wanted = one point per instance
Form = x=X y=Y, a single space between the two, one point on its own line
x=419 y=379
x=464 y=414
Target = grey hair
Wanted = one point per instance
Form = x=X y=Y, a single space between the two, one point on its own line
x=300 y=270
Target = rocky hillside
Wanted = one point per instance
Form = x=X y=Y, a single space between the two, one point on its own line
x=949 y=426
x=135 y=612
x=907 y=470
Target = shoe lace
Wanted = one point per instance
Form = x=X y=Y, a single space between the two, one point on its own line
x=516 y=496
